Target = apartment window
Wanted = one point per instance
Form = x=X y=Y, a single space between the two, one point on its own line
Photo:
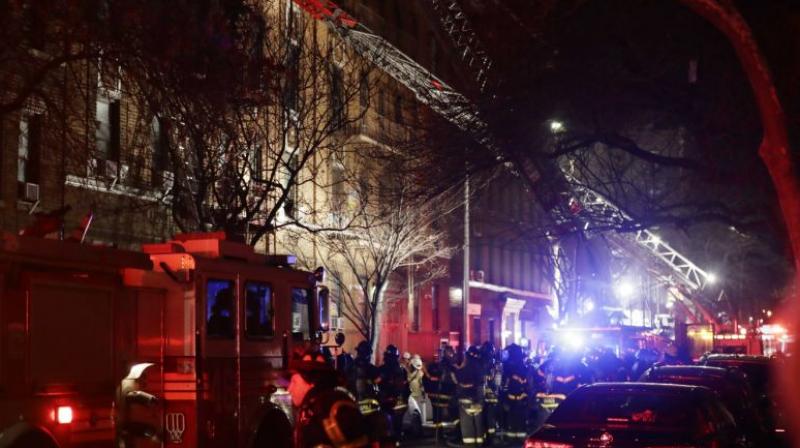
x=363 y=90
x=398 y=109
x=293 y=21
x=159 y=146
x=34 y=21
x=381 y=102
x=107 y=117
x=338 y=190
x=292 y=76
x=337 y=98
x=435 y=307
x=30 y=149
x=415 y=317
x=290 y=206
x=257 y=167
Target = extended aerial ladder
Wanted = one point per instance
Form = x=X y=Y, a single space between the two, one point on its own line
x=579 y=205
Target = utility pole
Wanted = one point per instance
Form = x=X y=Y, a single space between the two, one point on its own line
x=465 y=285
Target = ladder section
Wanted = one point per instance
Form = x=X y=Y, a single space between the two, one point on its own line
x=457 y=25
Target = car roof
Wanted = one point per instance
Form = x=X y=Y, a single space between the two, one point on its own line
x=736 y=358
x=643 y=387
x=695 y=371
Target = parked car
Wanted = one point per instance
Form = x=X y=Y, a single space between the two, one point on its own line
x=730 y=385
x=622 y=415
x=758 y=370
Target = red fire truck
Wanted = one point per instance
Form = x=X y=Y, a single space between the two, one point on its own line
x=182 y=344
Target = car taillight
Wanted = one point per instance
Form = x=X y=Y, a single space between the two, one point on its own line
x=544 y=444
x=63 y=415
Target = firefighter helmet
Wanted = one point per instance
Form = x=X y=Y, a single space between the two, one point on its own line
x=308 y=359
x=514 y=352
x=391 y=352
x=363 y=349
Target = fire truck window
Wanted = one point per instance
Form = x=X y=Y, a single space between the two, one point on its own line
x=219 y=308
x=259 y=310
x=300 y=322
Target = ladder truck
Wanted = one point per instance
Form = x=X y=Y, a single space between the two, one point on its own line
x=578 y=206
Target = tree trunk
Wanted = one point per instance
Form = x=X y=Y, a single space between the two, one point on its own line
x=776 y=154
x=377 y=321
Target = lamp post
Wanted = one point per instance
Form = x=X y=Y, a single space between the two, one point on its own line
x=465 y=285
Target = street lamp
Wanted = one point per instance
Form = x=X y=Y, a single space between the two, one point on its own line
x=556 y=126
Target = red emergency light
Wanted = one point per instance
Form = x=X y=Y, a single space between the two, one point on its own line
x=62 y=415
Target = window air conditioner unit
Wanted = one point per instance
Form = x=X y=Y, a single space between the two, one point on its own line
x=123 y=172
x=167 y=180
x=91 y=168
x=31 y=192
x=111 y=169
x=338 y=323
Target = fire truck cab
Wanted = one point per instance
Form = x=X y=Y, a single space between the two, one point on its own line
x=212 y=345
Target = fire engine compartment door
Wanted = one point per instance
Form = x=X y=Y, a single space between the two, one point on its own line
x=71 y=334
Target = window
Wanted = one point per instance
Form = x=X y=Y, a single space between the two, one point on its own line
x=29 y=149
x=337 y=105
x=363 y=90
x=398 y=109
x=107 y=116
x=324 y=311
x=338 y=187
x=34 y=16
x=290 y=205
x=257 y=168
x=381 y=102
x=219 y=308
x=259 y=311
x=291 y=93
x=300 y=316
x=435 y=306
x=413 y=296
x=159 y=145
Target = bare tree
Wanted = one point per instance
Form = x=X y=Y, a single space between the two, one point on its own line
x=239 y=161
x=392 y=231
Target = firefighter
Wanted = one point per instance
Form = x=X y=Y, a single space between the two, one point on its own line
x=516 y=392
x=491 y=401
x=440 y=391
x=327 y=415
x=363 y=380
x=449 y=367
x=470 y=390
x=393 y=389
